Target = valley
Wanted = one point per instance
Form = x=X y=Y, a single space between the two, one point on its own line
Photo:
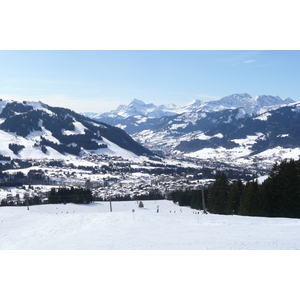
x=171 y=148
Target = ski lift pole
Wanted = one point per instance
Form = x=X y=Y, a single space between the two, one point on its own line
x=133 y=215
x=110 y=204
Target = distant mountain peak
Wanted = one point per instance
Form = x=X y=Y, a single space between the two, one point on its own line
x=289 y=100
x=239 y=96
x=137 y=102
x=196 y=102
x=268 y=100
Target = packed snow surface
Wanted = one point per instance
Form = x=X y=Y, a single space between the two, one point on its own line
x=93 y=226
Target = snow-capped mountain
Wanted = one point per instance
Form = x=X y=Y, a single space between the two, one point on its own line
x=256 y=103
x=37 y=130
x=138 y=116
x=235 y=129
x=138 y=108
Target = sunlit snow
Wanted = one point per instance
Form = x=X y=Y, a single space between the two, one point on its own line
x=93 y=226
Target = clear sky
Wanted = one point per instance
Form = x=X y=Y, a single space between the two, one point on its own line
x=101 y=80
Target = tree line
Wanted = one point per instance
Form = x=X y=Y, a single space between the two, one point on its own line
x=192 y=198
x=72 y=195
x=277 y=196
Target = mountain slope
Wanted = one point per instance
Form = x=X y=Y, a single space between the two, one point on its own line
x=229 y=137
x=278 y=128
x=34 y=127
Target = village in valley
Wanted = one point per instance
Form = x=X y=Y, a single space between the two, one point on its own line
x=108 y=177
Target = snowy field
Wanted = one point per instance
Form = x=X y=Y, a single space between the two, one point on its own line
x=94 y=227
x=144 y=274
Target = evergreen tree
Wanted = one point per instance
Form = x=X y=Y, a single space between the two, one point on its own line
x=249 y=200
x=271 y=191
x=183 y=198
x=74 y=195
x=282 y=190
x=52 y=198
x=218 y=198
x=262 y=201
x=234 y=197
x=196 y=199
x=290 y=189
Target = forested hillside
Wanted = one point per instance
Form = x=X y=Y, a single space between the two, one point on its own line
x=277 y=196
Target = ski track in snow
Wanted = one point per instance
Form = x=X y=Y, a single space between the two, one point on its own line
x=93 y=226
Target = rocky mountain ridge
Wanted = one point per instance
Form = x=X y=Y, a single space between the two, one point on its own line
x=138 y=116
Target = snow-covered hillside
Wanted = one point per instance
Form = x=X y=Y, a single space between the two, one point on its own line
x=93 y=226
x=36 y=130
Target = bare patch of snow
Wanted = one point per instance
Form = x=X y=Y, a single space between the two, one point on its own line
x=79 y=129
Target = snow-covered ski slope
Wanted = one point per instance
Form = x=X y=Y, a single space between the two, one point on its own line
x=93 y=226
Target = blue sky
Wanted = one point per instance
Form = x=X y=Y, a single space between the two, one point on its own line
x=101 y=80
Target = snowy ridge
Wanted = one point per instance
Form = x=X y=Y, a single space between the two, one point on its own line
x=31 y=129
x=139 y=116
x=138 y=107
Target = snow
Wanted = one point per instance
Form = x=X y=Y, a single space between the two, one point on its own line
x=39 y=106
x=218 y=135
x=241 y=114
x=94 y=227
x=32 y=150
x=261 y=179
x=114 y=149
x=248 y=141
x=221 y=153
x=176 y=126
x=263 y=117
x=283 y=153
x=283 y=135
x=79 y=129
x=141 y=120
x=203 y=136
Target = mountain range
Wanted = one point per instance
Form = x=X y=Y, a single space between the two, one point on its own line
x=138 y=116
x=235 y=129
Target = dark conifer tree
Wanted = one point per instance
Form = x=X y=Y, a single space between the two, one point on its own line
x=234 y=197
x=249 y=200
x=282 y=190
x=218 y=197
x=289 y=174
x=52 y=197
x=272 y=192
